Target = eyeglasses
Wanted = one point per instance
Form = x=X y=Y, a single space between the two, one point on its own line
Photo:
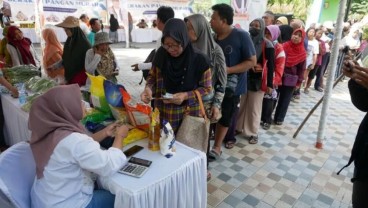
x=173 y=47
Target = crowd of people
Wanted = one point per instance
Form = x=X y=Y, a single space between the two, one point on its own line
x=243 y=77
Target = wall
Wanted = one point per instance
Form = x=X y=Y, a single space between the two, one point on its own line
x=330 y=13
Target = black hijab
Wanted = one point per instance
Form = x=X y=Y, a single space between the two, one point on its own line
x=286 y=32
x=114 y=24
x=74 y=54
x=182 y=73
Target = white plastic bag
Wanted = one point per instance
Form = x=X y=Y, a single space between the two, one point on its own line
x=167 y=140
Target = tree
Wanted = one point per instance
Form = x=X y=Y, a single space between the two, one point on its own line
x=297 y=7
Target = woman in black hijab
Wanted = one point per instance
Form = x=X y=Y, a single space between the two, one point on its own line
x=114 y=26
x=178 y=69
x=74 y=54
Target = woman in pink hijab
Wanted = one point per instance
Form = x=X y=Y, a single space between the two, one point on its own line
x=52 y=54
x=68 y=160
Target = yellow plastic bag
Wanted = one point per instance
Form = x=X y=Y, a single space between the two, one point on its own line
x=135 y=135
x=98 y=93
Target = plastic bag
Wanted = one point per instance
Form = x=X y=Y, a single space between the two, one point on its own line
x=112 y=93
x=138 y=113
x=167 y=140
x=97 y=117
x=98 y=93
x=134 y=135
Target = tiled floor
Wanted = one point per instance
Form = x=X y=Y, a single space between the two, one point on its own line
x=279 y=171
x=284 y=172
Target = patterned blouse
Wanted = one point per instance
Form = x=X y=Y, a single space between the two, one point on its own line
x=174 y=113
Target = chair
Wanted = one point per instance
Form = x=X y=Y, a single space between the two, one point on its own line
x=17 y=173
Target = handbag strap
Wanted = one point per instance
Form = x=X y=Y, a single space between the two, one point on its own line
x=201 y=106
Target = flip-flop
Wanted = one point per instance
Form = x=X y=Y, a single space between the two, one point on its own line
x=229 y=144
x=214 y=155
x=209 y=176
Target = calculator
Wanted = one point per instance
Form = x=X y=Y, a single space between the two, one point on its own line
x=136 y=167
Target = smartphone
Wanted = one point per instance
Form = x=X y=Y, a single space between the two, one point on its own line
x=133 y=150
x=140 y=161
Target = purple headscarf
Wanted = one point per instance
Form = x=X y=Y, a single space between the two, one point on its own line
x=275 y=31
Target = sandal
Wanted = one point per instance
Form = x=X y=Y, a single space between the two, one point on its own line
x=229 y=144
x=209 y=176
x=213 y=155
x=253 y=140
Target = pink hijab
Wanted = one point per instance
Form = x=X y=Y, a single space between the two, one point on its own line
x=53 y=116
x=275 y=31
x=52 y=47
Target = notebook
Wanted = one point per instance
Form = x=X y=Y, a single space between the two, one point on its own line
x=136 y=167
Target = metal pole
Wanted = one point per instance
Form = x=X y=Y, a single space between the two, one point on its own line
x=331 y=69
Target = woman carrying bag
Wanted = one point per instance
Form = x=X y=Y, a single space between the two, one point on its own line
x=293 y=73
x=178 y=69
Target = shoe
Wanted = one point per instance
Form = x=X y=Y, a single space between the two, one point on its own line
x=306 y=91
x=319 y=89
x=266 y=126
x=297 y=97
x=279 y=123
x=253 y=140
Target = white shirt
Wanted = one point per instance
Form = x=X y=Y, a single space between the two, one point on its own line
x=313 y=49
x=84 y=28
x=69 y=175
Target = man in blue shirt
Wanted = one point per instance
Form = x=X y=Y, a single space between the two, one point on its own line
x=96 y=27
x=240 y=56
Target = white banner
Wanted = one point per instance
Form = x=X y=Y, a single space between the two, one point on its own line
x=142 y=9
x=22 y=10
x=247 y=10
x=56 y=10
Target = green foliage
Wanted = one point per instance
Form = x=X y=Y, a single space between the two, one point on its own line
x=359 y=8
x=297 y=7
x=365 y=33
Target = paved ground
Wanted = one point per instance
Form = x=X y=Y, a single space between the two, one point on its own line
x=279 y=171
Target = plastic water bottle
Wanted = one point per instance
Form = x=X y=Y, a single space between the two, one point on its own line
x=22 y=95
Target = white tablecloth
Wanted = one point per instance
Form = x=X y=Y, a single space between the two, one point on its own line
x=16 y=120
x=177 y=182
x=140 y=35
x=27 y=32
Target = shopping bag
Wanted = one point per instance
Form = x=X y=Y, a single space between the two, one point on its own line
x=98 y=93
x=193 y=130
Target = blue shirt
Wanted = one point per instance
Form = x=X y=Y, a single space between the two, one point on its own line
x=238 y=47
x=91 y=38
